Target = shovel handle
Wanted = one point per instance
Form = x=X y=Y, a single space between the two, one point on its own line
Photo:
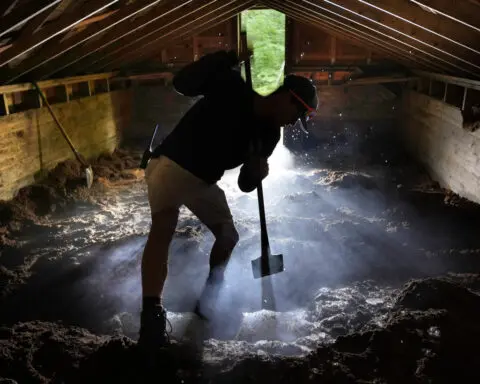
x=62 y=130
x=261 y=204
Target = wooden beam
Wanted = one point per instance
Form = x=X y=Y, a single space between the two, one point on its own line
x=352 y=33
x=188 y=23
x=54 y=49
x=379 y=80
x=344 y=13
x=462 y=82
x=116 y=36
x=95 y=19
x=22 y=14
x=147 y=76
x=53 y=83
x=54 y=29
x=380 y=16
x=333 y=49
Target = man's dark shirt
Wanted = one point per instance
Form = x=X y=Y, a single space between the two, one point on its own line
x=218 y=132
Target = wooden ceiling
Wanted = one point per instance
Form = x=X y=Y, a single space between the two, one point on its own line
x=43 y=39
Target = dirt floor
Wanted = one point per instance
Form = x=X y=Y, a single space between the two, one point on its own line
x=422 y=329
x=63 y=187
x=431 y=336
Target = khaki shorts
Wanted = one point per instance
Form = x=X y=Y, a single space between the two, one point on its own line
x=171 y=186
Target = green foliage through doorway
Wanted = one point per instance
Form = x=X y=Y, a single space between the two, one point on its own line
x=266 y=30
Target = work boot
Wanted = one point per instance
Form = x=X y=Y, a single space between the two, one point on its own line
x=153 y=332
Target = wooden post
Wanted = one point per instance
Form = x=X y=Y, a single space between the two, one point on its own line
x=445 y=92
x=195 y=48
x=333 y=50
x=5 y=103
x=369 y=56
x=91 y=87
x=464 y=98
x=68 y=90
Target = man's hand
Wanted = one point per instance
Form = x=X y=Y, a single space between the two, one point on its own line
x=253 y=171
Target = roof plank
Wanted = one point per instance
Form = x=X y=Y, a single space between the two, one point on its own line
x=200 y=20
x=74 y=60
x=22 y=14
x=462 y=12
x=55 y=49
x=366 y=35
x=344 y=13
x=194 y=29
x=54 y=29
x=385 y=17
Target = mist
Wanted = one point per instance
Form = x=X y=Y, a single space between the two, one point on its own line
x=349 y=236
x=348 y=244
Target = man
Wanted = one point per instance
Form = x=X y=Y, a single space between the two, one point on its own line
x=230 y=126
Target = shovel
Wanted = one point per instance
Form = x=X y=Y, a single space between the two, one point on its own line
x=148 y=152
x=267 y=264
x=87 y=168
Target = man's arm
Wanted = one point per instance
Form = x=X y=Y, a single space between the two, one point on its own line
x=252 y=173
x=201 y=76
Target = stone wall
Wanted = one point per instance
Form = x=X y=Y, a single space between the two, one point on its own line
x=432 y=131
x=30 y=141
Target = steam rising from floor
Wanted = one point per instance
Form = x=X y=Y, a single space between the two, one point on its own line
x=347 y=240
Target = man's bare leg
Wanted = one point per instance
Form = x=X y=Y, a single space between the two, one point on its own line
x=154 y=275
x=226 y=240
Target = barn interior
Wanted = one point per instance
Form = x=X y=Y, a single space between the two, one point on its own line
x=375 y=209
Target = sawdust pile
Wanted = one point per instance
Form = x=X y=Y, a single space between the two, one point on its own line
x=431 y=336
x=63 y=186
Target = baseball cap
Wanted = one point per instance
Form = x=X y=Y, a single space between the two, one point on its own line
x=304 y=92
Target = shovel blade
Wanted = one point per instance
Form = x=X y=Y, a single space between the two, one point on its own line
x=266 y=266
x=89 y=176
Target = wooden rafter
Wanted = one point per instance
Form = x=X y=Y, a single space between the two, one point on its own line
x=5 y=5
x=187 y=31
x=197 y=21
x=57 y=50
x=350 y=32
x=54 y=29
x=344 y=13
x=442 y=32
x=421 y=40
x=435 y=35
x=353 y=31
x=302 y=14
x=115 y=37
x=176 y=16
x=464 y=13
x=22 y=14
x=35 y=23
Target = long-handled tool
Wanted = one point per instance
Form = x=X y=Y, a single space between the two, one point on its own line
x=267 y=264
x=148 y=152
x=87 y=168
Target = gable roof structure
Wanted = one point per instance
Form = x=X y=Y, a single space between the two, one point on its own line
x=44 y=39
